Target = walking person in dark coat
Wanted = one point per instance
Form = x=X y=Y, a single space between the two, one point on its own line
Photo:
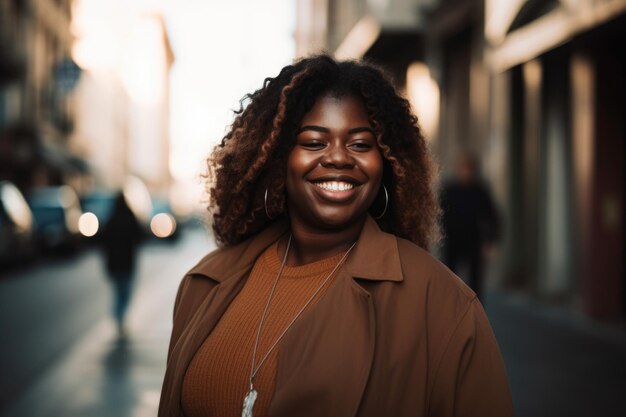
x=470 y=221
x=121 y=237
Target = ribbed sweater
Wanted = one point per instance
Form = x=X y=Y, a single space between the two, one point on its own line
x=217 y=379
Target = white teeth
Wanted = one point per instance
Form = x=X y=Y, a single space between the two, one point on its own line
x=335 y=185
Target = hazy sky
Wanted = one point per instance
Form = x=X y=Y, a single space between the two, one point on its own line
x=223 y=50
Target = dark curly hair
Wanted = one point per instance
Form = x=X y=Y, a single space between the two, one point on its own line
x=253 y=154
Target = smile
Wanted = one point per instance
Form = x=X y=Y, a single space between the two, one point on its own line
x=335 y=185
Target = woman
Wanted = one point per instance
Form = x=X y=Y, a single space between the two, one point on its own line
x=322 y=299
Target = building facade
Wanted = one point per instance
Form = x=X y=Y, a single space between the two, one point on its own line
x=536 y=88
x=557 y=127
x=37 y=110
x=69 y=117
x=122 y=99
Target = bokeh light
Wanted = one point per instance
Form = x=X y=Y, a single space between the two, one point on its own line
x=163 y=225
x=88 y=224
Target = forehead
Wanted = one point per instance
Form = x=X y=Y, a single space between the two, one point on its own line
x=331 y=111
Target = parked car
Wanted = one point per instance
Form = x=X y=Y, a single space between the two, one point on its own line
x=16 y=226
x=56 y=211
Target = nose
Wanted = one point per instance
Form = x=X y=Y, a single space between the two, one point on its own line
x=337 y=156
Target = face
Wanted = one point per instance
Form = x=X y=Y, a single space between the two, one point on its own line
x=465 y=170
x=334 y=171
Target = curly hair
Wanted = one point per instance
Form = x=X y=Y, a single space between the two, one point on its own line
x=252 y=156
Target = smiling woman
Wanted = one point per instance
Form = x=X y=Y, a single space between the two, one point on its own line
x=253 y=156
x=335 y=169
x=322 y=299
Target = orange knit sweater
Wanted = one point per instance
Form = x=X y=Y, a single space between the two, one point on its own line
x=217 y=379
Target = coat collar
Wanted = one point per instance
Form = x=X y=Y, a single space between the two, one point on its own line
x=375 y=256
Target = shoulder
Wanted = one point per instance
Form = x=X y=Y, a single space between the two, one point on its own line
x=226 y=261
x=213 y=266
x=436 y=298
x=446 y=186
x=196 y=283
x=216 y=266
x=451 y=315
x=208 y=262
x=193 y=289
x=423 y=272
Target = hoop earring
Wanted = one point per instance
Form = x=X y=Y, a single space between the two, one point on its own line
x=265 y=204
x=386 y=203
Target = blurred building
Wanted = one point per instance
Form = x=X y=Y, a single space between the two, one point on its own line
x=556 y=134
x=389 y=32
x=37 y=111
x=122 y=99
x=537 y=88
x=69 y=117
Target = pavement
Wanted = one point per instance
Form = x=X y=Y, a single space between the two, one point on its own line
x=95 y=373
x=560 y=363
x=65 y=358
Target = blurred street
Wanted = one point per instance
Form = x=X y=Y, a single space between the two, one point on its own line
x=110 y=110
x=559 y=364
x=64 y=358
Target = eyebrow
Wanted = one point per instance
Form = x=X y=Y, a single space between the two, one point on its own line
x=327 y=130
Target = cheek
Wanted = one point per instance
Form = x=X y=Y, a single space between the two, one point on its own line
x=374 y=170
x=373 y=167
x=294 y=161
x=298 y=164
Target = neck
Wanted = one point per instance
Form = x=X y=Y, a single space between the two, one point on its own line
x=310 y=244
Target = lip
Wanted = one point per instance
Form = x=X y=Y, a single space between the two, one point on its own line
x=340 y=177
x=339 y=196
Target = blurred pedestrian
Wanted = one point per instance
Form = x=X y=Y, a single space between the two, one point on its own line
x=121 y=236
x=322 y=299
x=470 y=221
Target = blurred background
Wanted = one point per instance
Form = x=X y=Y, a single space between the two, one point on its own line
x=110 y=107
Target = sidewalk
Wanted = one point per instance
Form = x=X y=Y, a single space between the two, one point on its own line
x=559 y=363
x=102 y=376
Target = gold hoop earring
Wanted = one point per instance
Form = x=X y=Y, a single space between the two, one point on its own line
x=386 y=203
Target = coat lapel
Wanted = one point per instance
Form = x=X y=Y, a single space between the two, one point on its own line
x=199 y=327
x=325 y=359
x=215 y=303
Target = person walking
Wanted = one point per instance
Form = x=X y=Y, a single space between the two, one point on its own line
x=470 y=221
x=121 y=236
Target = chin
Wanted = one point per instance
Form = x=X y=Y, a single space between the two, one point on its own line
x=336 y=218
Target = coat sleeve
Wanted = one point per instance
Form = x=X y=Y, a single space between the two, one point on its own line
x=192 y=291
x=470 y=379
x=176 y=328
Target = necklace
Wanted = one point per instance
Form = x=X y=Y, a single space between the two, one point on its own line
x=249 y=400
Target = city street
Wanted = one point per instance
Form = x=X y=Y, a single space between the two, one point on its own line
x=559 y=363
x=63 y=357
x=492 y=131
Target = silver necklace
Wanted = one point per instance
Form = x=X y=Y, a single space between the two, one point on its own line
x=250 y=399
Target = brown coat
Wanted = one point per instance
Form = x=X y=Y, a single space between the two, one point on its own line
x=396 y=334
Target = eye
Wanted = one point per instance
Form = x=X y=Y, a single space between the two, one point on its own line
x=312 y=144
x=361 y=146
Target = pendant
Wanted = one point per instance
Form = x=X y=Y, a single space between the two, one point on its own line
x=248 y=403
